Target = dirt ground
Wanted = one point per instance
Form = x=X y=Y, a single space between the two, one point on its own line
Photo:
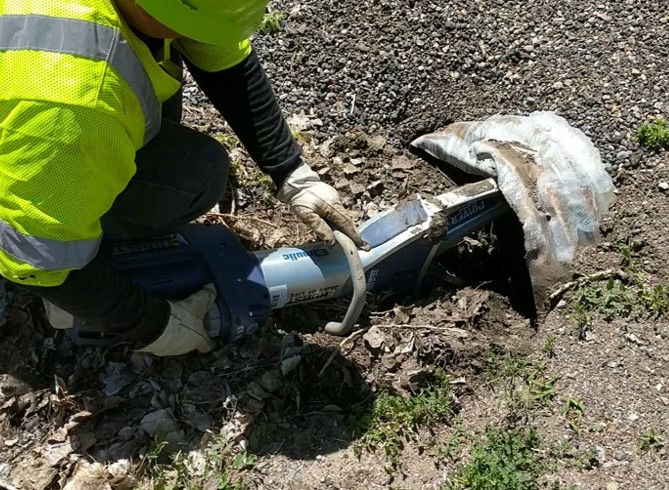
x=294 y=408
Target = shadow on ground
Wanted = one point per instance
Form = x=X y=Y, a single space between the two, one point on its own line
x=60 y=403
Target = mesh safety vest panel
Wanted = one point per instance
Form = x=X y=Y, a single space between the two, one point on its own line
x=81 y=94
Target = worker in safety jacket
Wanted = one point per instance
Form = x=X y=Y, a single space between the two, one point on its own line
x=91 y=147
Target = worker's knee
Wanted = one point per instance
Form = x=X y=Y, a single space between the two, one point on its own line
x=181 y=175
x=218 y=160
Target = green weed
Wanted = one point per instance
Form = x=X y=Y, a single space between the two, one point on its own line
x=507 y=459
x=453 y=447
x=266 y=185
x=650 y=440
x=236 y=169
x=549 y=345
x=620 y=297
x=395 y=419
x=265 y=181
x=566 y=456
x=536 y=389
x=573 y=407
x=654 y=135
x=302 y=137
x=271 y=22
x=611 y=299
x=503 y=364
x=217 y=466
x=573 y=412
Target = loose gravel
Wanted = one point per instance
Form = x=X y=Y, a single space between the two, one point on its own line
x=402 y=68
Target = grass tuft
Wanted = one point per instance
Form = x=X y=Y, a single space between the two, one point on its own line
x=218 y=466
x=507 y=459
x=395 y=419
x=271 y=22
x=654 y=135
x=616 y=297
x=651 y=441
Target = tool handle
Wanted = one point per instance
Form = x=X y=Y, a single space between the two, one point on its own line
x=359 y=287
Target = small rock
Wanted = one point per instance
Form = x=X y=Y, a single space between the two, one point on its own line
x=612 y=486
x=126 y=433
x=200 y=420
x=117 y=376
x=256 y=391
x=140 y=361
x=198 y=377
x=271 y=380
x=121 y=475
x=159 y=422
x=288 y=365
x=88 y=475
x=664 y=186
x=633 y=417
x=665 y=401
x=374 y=339
x=412 y=379
x=376 y=143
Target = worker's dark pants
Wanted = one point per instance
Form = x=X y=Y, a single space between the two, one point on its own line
x=181 y=174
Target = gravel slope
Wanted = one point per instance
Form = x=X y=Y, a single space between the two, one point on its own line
x=407 y=67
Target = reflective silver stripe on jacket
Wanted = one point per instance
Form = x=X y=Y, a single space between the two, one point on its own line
x=47 y=254
x=87 y=40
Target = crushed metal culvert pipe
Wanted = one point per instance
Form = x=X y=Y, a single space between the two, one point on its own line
x=549 y=172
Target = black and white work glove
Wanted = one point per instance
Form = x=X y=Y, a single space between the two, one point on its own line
x=185 y=330
x=318 y=205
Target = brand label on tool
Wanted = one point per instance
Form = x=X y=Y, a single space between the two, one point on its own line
x=466 y=213
x=318 y=252
x=167 y=241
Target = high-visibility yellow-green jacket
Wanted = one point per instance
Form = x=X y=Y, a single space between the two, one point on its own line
x=80 y=93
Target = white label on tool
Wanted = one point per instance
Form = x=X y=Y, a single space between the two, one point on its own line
x=279 y=296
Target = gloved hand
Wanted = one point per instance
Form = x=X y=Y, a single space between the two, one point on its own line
x=58 y=318
x=185 y=329
x=314 y=201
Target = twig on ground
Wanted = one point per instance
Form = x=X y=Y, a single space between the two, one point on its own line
x=597 y=276
x=242 y=218
x=192 y=108
x=339 y=348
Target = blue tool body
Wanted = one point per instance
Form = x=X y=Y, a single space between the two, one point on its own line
x=403 y=242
